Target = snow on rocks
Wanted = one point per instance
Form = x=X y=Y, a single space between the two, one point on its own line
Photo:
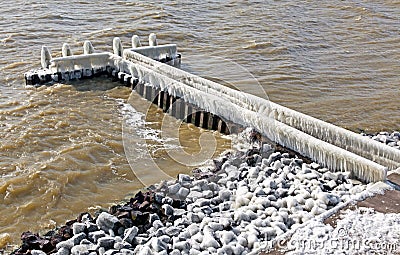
x=359 y=231
x=248 y=197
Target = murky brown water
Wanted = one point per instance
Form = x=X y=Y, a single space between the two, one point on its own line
x=61 y=148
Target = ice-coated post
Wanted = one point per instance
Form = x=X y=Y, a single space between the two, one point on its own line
x=88 y=48
x=136 y=42
x=45 y=57
x=66 y=50
x=152 y=39
x=117 y=46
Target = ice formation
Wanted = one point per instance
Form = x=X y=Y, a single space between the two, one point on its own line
x=361 y=231
x=162 y=52
x=136 y=42
x=88 y=48
x=245 y=109
x=79 y=62
x=66 y=50
x=340 y=137
x=329 y=145
x=152 y=39
x=45 y=57
x=117 y=46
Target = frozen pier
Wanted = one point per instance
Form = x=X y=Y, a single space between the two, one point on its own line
x=152 y=72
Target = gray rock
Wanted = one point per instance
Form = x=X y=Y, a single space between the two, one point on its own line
x=139 y=240
x=225 y=206
x=78 y=228
x=168 y=210
x=331 y=184
x=330 y=176
x=85 y=241
x=175 y=252
x=63 y=251
x=158 y=224
x=202 y=202
x=273 y=157
x=182 y=246
x=91 y=227
x=208 y=194
x=206 y=210
x=310 y=176
x=195 y=194
x=254 y=171
x=328 y=199
x=130 y=234
x=183 y=193
x=277 y=165
x=214 y=226
x=143 y=250
x=76 y=239
x=81 y=249
x=158 y=245
x=242 y=240
x=122 y=245
x=193 y=229
x=158 y=197
x=271 y=198
x=106 y=221
x=167 y=200
x=231 y=185
x=251 y=240
x=213 y=187
x=94 y=236
x=173 y=189
x=314 y=165
x=67 y=244
x=224 y=195
x=209 y=241
x=172 y=231
x=126 y=252
x=184 y=179
x=266 y=150
x=226 y=237
x=106 y=242
x=37 y=252
x=101 y=250
x=153 y=217
x=111 y=252
x=268 y=183
x=286 y=161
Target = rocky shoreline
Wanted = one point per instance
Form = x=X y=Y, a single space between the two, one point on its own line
x=244 y=200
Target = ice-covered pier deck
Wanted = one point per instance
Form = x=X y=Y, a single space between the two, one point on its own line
x=151 y=71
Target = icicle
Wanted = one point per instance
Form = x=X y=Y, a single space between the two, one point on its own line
x=66 y=50
x=152 y=39
x=45 y=57
x=117 y=46
x=88 y=48
x=136 y=42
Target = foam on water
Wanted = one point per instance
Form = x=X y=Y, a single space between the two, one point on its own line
x=136 y=121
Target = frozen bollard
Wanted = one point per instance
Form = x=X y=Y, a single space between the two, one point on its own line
x=117 y=46
x=66 y=50
x=152 y=39
x=88 y=48
x=45 y=57
x=136 y=42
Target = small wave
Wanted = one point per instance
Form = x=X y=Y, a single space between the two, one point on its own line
x=258 y=45
x=135 y=119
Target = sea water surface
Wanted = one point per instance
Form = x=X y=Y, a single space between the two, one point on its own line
x=61 y=147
